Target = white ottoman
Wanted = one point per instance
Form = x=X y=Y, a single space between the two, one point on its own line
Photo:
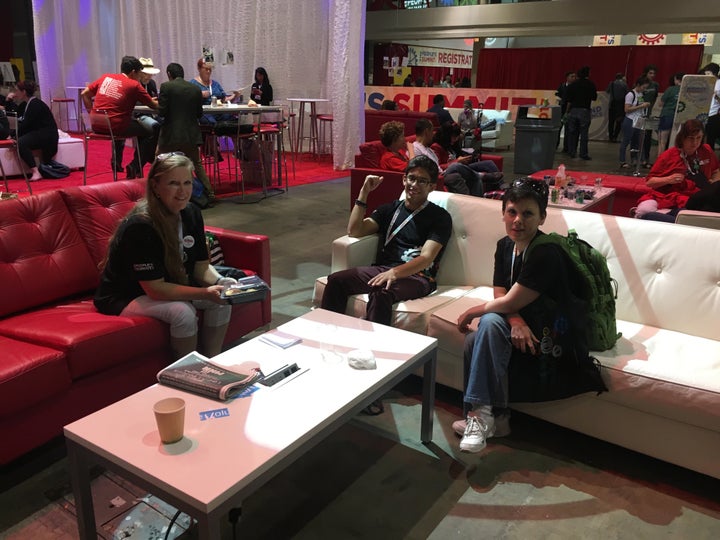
x=70 y=153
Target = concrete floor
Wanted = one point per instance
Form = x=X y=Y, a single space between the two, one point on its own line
x=372 y=479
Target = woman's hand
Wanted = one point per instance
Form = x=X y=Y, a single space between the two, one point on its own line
x=213 y=293
x=675 y=178
x=463 y=159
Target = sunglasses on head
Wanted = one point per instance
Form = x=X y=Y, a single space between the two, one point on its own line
x=540 y=187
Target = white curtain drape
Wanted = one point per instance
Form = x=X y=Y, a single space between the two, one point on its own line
x=310 y=48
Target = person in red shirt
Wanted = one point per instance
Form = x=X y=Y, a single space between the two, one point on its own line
x=117 y=94
x=392 y=135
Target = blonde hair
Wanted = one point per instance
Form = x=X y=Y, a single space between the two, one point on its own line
x=162 y=220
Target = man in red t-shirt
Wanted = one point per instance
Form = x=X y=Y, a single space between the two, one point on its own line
x=117 y=94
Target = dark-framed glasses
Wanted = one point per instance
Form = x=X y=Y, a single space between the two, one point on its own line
x=415 y=179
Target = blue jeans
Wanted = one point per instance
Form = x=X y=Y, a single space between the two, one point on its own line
x=487 y=357
x=630 y=137
x=578 y=126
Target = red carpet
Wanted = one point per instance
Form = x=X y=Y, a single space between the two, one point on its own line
x=307 y=171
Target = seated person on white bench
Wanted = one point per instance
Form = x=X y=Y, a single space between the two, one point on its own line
x=529 y=345
x=413 y=234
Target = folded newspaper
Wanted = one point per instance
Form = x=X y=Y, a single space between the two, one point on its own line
x=197 y=374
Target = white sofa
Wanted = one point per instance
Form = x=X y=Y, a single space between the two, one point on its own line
x=70 y=152
x=499 y=138
x=663 y=374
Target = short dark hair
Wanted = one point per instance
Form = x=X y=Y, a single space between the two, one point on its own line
x=650 y=67
x=527 y=188
x=388 y=105
x=439 y=98
x=713 y=68
x=583 y=72
x=422 y=124
x=642 y=79
x=128 y=64
x=175 y=71
x=688 y=128
x=390 y=131
x=424 y=162
x=30 y=87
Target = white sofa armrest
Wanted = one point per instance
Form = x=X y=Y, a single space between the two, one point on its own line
x=349 y=252
x=699 y=218
x=504 y=134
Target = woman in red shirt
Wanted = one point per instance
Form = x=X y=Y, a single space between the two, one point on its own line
x=395 y=158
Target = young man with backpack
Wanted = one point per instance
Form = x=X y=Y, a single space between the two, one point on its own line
x=530 y=344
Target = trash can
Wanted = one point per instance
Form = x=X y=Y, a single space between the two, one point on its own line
x=536 y=132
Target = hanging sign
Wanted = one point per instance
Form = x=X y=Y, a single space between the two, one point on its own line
x=697 y=39
x=432 y=57
x=607 y=40
x=651 y=39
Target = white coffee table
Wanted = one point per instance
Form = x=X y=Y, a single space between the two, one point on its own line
x=222 y=460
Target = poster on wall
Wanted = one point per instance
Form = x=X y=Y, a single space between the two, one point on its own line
x=7 y=72
x=208 y=55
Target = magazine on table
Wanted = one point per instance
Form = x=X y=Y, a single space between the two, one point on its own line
x=197 y=374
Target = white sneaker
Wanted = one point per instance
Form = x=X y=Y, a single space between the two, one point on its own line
x=477 y=431
x=502 y=426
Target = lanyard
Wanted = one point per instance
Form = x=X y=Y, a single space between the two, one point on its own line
x=390 y=236
x=512 y=264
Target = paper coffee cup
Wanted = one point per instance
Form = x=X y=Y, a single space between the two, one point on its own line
x=170 y=418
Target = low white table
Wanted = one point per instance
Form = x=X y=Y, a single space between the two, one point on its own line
x=221 y=460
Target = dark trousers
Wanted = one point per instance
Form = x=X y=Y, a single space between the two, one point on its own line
x=147 y=141
x=43 y=139
x=616 y=113
x=577 y=128
x=341 y=285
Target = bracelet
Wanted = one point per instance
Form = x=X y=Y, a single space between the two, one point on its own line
x=361 y=204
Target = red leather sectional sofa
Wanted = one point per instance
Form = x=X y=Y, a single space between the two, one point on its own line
x=61 y=359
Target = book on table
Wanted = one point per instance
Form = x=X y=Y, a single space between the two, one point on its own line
x=197 y=374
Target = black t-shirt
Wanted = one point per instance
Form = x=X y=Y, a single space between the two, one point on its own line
x=137 y=254
x=545 y=271
x=581 y=94
x=431 y=223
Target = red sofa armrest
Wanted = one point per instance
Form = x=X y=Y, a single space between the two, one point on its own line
x=244 y=250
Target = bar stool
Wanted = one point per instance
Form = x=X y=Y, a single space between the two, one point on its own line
x=91 y=135
x=61 y=103
x=11 y=144
x=324 y=120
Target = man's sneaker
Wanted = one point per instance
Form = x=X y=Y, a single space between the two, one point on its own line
x=477 y=431
x=502 y=426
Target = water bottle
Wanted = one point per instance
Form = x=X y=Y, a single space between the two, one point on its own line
x=560 y=178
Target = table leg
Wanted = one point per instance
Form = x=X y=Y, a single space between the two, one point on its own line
x=313 y=128
x=428 y=399
x=82 y=491
x=300 y=126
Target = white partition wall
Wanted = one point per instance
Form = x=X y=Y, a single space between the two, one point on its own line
x=311 y=48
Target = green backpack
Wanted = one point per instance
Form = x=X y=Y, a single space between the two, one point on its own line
x=598 y=289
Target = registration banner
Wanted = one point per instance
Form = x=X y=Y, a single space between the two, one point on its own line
x=432 y=57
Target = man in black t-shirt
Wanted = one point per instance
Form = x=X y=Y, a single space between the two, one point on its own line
x=413 y=234
x=579 y=97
